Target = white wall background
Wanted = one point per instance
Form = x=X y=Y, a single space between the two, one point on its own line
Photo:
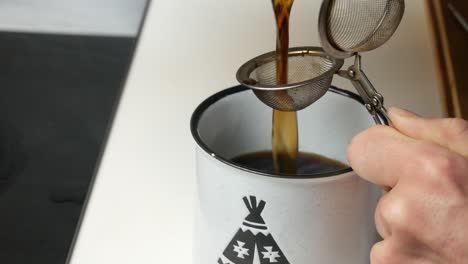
x=90 y=17
x=141 y=207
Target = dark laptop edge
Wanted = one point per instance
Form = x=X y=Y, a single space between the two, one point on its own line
x=107 y=133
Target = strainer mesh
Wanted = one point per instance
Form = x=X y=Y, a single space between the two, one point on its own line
x=302 y=69
x=363 y=25
x=295 y=99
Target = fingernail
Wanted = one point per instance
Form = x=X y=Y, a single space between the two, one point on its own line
x=402 y=112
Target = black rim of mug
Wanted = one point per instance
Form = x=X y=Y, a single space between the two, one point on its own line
x=197 y=114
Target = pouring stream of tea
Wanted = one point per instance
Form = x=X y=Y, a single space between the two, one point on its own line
x=285 y=144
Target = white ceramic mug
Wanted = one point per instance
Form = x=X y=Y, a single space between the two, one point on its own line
x=244 y=216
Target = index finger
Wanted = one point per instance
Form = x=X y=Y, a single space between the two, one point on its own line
x=451 y=133
x=382 y=155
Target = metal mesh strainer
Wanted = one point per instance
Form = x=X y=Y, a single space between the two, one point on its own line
x=361 y=25
x=309 y=76
x=350 y=26
x=346 y=27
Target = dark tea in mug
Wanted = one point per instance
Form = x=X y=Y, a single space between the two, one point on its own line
x=305 y=163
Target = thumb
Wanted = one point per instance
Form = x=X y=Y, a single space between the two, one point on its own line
x=451 y=133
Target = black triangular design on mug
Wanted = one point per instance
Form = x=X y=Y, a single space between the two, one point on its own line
x=253 y=243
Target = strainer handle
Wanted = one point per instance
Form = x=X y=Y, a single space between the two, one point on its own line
x=373 y=101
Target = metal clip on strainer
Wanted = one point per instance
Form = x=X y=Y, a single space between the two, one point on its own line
x=346 y=28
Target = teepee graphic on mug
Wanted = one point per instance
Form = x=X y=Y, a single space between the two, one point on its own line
x=253 y=243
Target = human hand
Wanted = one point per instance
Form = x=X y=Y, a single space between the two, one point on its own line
x=424 y=163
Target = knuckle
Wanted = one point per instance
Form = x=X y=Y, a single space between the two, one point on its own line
x=422 y=162
x=456 y=127
x=445 y=168
x=396 y=212
x=441 y=167
x=382 y=206
x=381 y=254
x=381 y=224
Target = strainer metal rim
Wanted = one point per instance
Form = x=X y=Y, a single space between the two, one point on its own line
x=243 y=74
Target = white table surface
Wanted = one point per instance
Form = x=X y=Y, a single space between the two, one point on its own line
x=140 y=210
